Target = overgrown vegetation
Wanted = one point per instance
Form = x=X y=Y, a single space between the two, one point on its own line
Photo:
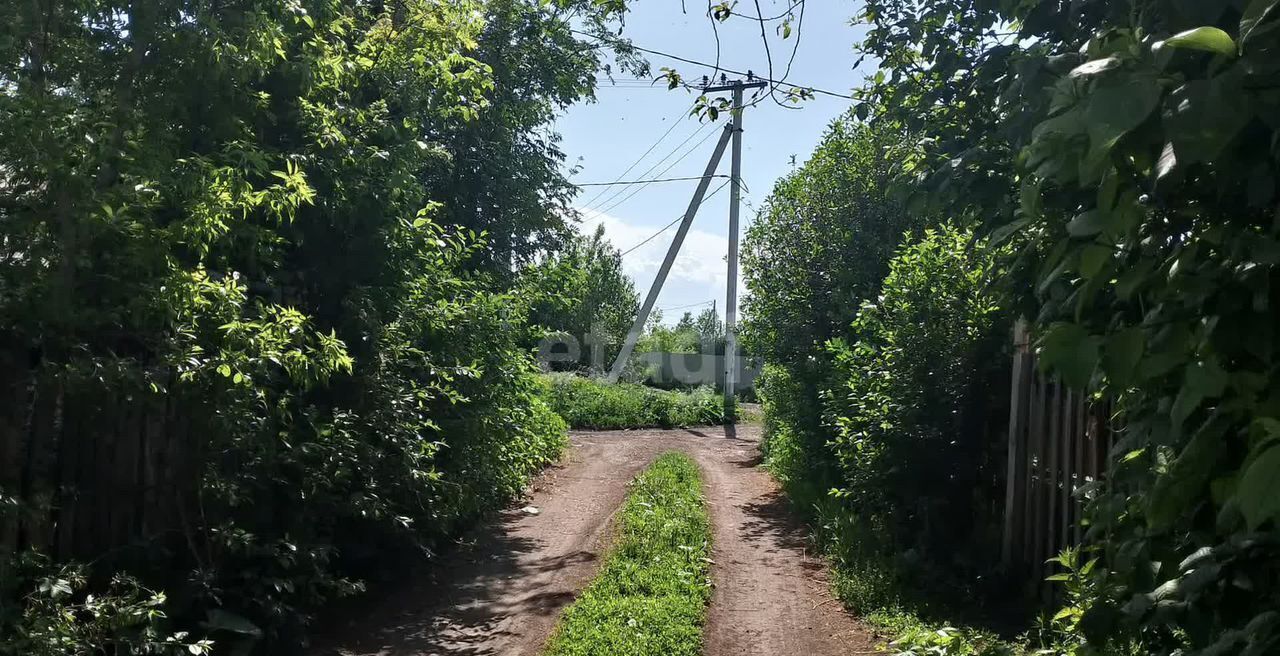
x=1126 y=153
x=651 y=595
x=589 y=403
x=917 y=397
x=274 y=246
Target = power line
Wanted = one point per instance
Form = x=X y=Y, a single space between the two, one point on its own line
x=682 y=307
x=661 y=173
x=727 y=70
x=784 y=14
x=649 y=181
x=668 y=226
x=675 y=122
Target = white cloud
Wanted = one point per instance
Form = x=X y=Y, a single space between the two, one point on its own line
x=698 y=274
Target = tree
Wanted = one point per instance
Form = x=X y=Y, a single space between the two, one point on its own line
x=685 y=324
x=583 y=294
x=818 y=249
x=709 y=327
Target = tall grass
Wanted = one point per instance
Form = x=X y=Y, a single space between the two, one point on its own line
x=650 y=597
x=588 y=403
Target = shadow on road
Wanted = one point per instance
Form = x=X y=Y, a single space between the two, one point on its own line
x=460 y=610
x=771 y=521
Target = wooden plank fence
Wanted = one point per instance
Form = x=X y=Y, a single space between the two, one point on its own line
x=1058 y=442
x=93 y=465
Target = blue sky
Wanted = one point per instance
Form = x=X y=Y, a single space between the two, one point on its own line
x=605 y=137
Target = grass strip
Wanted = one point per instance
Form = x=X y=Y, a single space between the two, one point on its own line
x=651 y=594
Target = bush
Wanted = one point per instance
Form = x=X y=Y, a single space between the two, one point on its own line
x=588 y=403
x=819 y=247
x=920 y=393
x=58 y=616
x=1133 y=146
x=650 y=597
x=900 y=468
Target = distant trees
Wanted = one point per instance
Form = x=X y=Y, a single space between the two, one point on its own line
x=582 y=295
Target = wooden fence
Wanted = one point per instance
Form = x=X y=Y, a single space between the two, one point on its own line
x=1058 y=443
x=93 y=469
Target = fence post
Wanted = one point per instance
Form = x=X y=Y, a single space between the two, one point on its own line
x=1016 y=478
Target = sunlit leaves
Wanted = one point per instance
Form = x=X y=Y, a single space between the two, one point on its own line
x=1209 y=39
x=722 y=11
x=1147 y=134
x=268 y=217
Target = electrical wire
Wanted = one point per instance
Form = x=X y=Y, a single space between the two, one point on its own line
x=610 y=200
x=695 y=62
x=784 y=14
x=649 y=181
x=675 y=122
x=683 y=307
x=668 y=226
x=639 y=188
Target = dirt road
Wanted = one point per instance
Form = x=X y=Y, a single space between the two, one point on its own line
x=502 y=595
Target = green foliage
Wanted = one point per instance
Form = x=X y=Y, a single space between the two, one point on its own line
x=918 y=640
x=794 y=447
x=903 y=468
x=583 y=294
x=1135 y=153
x=703 y=333
x=589 y=403
x=651 y=594
x=822 y=243
x=58 y=617
x=294 y=223
x=881 y=588
x=881 y=359
x=920 y=389
x=820 y=246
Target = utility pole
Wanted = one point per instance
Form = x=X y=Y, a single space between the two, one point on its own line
x=735 y=197
x=732 y=132
x=638 y=327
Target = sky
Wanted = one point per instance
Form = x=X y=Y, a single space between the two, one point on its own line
x=604 y=138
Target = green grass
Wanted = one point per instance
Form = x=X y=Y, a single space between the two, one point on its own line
x=589 y=403
x=652 y=592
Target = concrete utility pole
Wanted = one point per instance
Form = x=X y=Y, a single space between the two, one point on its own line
x=735 y=197
x=637 y=328
x=734 y=131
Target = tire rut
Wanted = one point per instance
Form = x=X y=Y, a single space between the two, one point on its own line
x=503 y=594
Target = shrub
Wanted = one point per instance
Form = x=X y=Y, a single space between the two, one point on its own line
x=257 y=230
x=58 y=615
x=588 y=403
x=901 y=467
x=920 y=393
x=820 y=246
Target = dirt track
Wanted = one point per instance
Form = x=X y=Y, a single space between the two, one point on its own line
x=502 y=596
